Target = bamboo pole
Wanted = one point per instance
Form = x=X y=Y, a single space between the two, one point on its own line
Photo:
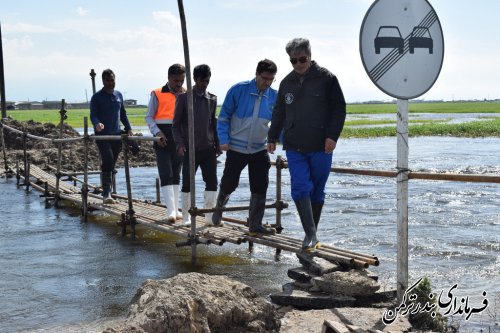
x=157 y=185
x=130 y=212
x=190 y=126
x=85 y=187
x=329 y=249
x=4 y=149
x=27 y=179
x=62 y=114
x=402 y=197
x=2 y=80
x=25 y=157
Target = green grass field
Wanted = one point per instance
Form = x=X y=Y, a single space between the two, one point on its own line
x=488 y=127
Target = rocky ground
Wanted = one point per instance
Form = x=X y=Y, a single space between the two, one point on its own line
x=45 y=152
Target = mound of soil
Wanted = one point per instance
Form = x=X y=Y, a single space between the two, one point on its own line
x=41 y=152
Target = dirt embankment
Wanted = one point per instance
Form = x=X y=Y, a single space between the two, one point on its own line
x=42 y=152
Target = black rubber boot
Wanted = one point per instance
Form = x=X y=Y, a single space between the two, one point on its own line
x=221 y=202
x=317 y=208
x=306 y=218
x=256 y=214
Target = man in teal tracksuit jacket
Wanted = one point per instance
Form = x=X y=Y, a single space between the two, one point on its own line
x=242 y=128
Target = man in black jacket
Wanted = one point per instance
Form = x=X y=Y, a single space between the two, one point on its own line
x=311 y=110
x=206 y=142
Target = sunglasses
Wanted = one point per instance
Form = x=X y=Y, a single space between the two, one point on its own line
x=302 y=60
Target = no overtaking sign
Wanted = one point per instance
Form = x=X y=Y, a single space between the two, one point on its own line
x=402 y=48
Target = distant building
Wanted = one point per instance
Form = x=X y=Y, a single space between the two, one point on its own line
x=130 y=102
x=29 y=106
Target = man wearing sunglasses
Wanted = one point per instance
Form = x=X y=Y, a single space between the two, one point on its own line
x=311 y=110
x=242 y=127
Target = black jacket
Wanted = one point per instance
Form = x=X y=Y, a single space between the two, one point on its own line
x=308 y=112
x=205 y=132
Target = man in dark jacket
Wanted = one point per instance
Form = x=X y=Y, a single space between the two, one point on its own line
x=106 y=113
x=311 y=110
x=206 y=142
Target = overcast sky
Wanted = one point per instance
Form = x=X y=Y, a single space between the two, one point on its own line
x=50 y=46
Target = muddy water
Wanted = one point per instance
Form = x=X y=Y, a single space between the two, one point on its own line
x=59 y=274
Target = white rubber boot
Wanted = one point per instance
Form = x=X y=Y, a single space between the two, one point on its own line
x=186 y=204
x=168 y=196
x=178 y=215
x=210 y=198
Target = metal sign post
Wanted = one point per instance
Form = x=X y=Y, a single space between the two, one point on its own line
x=402 y=48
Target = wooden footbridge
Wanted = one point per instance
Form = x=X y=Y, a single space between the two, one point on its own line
x=149 y=214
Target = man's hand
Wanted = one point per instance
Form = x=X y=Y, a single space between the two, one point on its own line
x=130 y=133
x=99 y=127
x=163 y=139
x=224 y=147
x=271 y=147
x=330 y=145
x=181 y=151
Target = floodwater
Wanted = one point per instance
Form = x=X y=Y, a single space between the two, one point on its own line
x=59 y=274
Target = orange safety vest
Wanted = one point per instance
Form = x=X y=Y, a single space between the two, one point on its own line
x=166 y=107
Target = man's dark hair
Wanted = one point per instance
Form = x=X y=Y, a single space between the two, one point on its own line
x=297 y=45
x=106 y=73
x=176 y=69
x=266 y=65
x=201 y=72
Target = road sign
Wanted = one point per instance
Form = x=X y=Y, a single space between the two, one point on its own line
x=402 y=47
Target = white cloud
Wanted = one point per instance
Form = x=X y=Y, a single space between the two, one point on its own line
x=26 y=28
x=80 y=11
x=166 y=16
x=15 y=45
x=261 y=5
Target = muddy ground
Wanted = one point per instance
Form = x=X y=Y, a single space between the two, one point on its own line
x=41 y=152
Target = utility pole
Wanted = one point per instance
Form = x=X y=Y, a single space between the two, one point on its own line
x=2 y=79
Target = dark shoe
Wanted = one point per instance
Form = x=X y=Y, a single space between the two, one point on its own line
x=306 y=218
x=317 y=208
x=261 y=230
x=221 y=202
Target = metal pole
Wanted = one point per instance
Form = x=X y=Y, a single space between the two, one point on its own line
x=92 y=77
x=402 y=197
x=279 y=164
x=2 y=80
x=190 y=129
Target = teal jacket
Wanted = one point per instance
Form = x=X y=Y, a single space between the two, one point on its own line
x=238 y=125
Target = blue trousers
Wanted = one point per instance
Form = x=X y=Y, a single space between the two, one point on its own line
x=308 y=174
